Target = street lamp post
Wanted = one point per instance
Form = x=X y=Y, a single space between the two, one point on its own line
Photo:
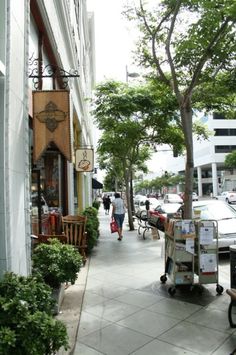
x=130 y=75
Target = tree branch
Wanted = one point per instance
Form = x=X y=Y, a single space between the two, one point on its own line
x=153 y=38
x=204 y=57
x=169 y=56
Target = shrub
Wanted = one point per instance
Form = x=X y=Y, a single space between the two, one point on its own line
x=26 y=323
x=56 y=262
x=96 y=204
x=92 y=227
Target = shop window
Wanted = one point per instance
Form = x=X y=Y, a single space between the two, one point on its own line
x=47 y=193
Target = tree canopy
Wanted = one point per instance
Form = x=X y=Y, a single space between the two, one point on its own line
x=230 y=160
x=187 y=45
x=131 y=119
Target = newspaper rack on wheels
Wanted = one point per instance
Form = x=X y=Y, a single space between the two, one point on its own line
x=191 y=252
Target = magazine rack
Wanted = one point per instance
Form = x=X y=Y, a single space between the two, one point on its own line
x=191 y=251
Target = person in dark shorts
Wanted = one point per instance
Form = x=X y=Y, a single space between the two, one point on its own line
x=107 y=204
x=118 y=213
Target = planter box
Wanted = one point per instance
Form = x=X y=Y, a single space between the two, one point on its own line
x=58 y=295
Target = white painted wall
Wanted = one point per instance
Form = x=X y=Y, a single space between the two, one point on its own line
x=14 y=159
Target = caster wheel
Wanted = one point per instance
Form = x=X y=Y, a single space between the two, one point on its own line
x=200 y=289
x=163 y=279
x=144 y=237
x=139 y=230
x=172 y=291
x=219 y=289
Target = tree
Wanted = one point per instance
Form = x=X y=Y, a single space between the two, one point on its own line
x=114 y=177
x=125 y=114
x=230 y=160
x=123 y=148
x=187 y=44
x=167 y=179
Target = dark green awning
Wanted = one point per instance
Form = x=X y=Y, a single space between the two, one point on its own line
x=96 y=184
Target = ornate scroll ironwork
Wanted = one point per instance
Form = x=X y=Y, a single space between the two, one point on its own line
x=37 y=72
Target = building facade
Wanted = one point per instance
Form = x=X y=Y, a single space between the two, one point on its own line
x=47 y=75
x=209 y=156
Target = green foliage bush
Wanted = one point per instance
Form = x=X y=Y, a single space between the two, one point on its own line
x=26 y=322
x=56 y=262
x=92 y=227
x=96 y=204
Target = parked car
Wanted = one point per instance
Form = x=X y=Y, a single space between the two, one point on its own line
x=172 y=198
x=138 y=198
x=225 y=215
x=161 y=213
x=194 y=196
x=219 y=211
x=227 y=196
x=140 y=204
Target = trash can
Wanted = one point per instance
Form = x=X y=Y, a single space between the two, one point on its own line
x=232 y=249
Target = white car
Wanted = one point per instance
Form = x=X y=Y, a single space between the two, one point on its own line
x=140 y=205
x=172 y=198
x=138 y=198
x=194 y=196
x=225 y=216
x=227 y=196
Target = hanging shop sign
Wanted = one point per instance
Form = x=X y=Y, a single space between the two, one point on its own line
x=51 y=122
x=84 y=158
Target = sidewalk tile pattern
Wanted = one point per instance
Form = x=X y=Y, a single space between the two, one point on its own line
x=127 y=310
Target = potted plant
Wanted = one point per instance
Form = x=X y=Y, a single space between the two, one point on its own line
x=58 y=264
x=26 y=322
x=92 y=227
x=96 y=204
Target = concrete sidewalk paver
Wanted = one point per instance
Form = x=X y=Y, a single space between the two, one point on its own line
x=127 y=310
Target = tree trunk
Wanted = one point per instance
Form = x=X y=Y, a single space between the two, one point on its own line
x=130 y=215
x=131 y=192
x=187 y=123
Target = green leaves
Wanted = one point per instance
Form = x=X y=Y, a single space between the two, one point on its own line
x=230 y=160
x=26 y=323
x=56 y=262
x=92 y=227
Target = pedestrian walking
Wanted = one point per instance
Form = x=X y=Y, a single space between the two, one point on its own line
x=107 y=204
x=118 y=213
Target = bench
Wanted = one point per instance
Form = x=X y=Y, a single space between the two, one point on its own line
x=143 y=223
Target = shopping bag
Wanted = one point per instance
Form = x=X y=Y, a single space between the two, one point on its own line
x=113 y=226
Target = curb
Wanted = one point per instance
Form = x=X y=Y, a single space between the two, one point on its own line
x=71 y=308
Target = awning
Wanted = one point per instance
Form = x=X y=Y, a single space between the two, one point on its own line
x=96 y=184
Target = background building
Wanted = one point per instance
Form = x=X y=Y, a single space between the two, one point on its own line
x=209 y=156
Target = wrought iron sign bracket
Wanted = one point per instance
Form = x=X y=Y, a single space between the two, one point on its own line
x=37 y=73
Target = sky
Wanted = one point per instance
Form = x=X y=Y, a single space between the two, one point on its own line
x=114 y=44
x=114 y=39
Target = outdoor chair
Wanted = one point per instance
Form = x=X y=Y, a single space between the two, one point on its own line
x=74 y=228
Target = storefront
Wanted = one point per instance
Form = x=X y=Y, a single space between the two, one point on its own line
x=48 y=196
x=51 y=149
x=59 y=111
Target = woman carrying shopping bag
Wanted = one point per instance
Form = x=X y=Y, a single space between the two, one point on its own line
x=118 y=213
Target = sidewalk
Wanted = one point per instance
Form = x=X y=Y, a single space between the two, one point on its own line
x=127 y=310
